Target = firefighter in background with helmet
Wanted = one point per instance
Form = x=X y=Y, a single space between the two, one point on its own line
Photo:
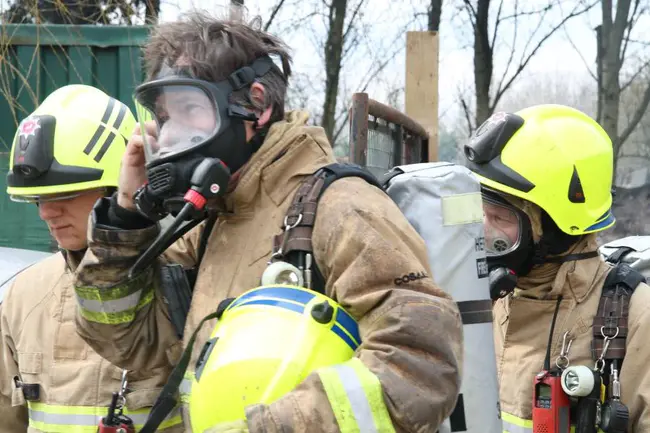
x=65 y=156
x=546 y=173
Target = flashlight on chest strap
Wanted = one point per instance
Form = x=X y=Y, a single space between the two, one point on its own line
x=586 y=385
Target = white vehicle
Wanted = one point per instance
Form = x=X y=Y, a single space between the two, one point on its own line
x=633 y=250
x=13 y=261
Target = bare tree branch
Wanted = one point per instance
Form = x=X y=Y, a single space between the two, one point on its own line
x=274 y=12
x=579 y=52
x=527 y=13
x=433 y=14
x=635 y=75
x=353 y=18
x=628 y=30
x=467 y=112
x=514 y=42
x=638 y=115
x=471 y=11
x=526 y=59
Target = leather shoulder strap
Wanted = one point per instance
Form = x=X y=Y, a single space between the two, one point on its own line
x=298 y=224
x=611 y=320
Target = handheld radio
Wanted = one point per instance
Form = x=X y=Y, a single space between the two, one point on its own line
x=551 y=405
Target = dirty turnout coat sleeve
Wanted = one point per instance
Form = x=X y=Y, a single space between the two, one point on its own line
x=12 y=418
x=411 y=331
x=142 y=336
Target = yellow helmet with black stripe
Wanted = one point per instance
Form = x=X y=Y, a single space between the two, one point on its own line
x=552 y=155
x=73 y=141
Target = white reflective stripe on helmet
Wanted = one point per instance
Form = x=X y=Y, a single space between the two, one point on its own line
x=85 y=419
x=356 y=398
x=185 y=387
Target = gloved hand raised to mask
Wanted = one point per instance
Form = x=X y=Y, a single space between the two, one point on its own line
x=132 y=172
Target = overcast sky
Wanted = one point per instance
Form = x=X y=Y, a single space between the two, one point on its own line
x=558 y=57
x=383 y=36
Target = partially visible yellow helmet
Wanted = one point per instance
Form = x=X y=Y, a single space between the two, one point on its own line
x=266 y=342
x=73 y=141
x=552 y=155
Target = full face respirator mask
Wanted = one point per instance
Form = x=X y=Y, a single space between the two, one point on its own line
x=195 y=121
x=200 y=140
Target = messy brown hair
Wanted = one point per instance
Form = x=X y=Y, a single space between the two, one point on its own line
x=211 y=49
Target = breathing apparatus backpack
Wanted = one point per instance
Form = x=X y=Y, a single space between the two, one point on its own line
x=442 y=201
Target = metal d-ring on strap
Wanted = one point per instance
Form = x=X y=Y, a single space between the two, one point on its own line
x=600 y=362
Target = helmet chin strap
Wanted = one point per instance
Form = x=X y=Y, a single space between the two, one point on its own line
x=572 y=257
x=554 y=242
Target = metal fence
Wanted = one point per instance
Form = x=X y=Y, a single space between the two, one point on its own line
x=382 y=137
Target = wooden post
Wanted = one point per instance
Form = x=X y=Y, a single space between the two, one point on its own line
x=421 y=91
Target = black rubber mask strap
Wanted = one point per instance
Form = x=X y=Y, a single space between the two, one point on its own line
x=572 y=257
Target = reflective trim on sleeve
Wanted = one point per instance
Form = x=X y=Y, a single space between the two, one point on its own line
x=116 y=304
x=85 y=419
x=356 y=398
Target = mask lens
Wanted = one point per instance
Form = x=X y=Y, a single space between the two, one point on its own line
x=185 y=116
x=502 y=225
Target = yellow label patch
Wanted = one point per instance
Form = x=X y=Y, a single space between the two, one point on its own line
x=462 y=209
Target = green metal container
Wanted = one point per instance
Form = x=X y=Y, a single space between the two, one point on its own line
x=35 y=60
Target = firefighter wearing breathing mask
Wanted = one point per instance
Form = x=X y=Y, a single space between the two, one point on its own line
x=65 y=156
x=564 y=319
x=225 y=161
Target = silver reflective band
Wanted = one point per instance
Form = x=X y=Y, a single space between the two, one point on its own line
x=357 y=397
x=115 y=306
x=64 y=419
x=513 y=428
x=53 y=419
x=185 y=386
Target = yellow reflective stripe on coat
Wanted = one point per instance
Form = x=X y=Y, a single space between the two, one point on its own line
x=513 y=424
x=85 y=419
x=356 y=398
x=115 y=305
